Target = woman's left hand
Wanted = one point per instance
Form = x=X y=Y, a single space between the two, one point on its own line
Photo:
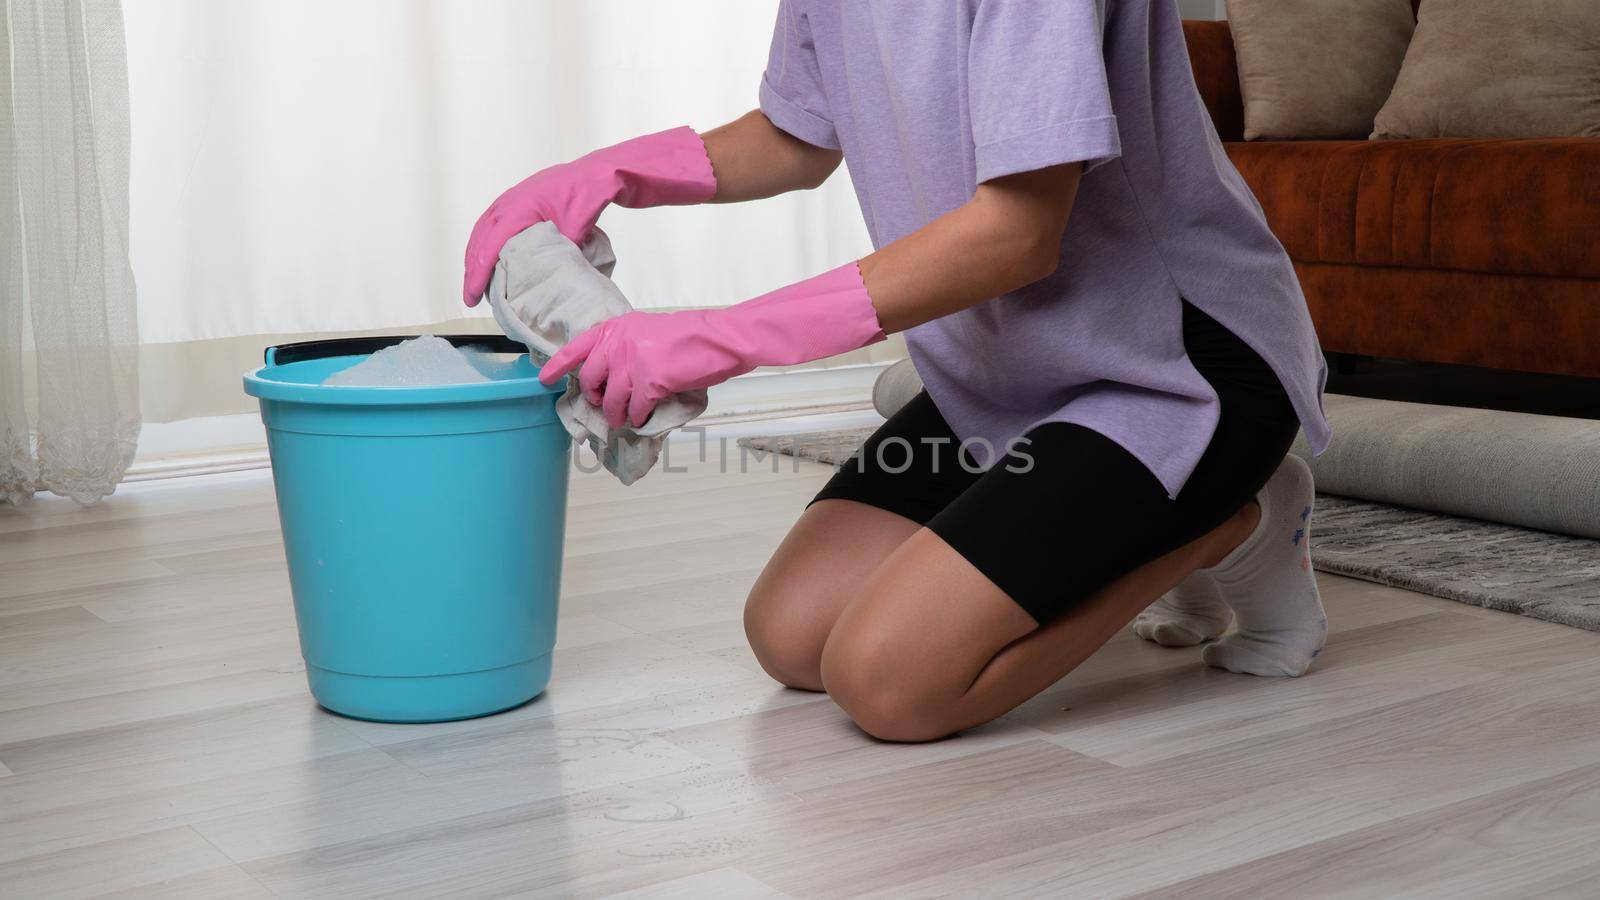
x=634 y=361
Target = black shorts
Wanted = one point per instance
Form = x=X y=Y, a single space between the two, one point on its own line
x=1075 y=511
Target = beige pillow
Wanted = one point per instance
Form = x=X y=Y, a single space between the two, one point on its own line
x=1317 y=68
x=1499 y=68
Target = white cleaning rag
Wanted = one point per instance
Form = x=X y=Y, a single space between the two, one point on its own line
x=545 y=291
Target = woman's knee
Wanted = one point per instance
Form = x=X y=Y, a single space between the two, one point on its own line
x=870 y=682
x=800 y=594
x=784 y=643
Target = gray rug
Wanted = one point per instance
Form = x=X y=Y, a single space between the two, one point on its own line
x=1517 y=570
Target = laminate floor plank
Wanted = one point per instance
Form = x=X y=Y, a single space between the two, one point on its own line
x=1216 y=809
x=216 y=529
x=228 y=883
x=1512 y=837
x=110 y=866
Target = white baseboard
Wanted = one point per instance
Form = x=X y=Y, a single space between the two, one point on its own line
x=760 y=393
x=199 y=446
x=232 y=443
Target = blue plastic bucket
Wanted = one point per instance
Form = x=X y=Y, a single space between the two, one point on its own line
x=423 y=528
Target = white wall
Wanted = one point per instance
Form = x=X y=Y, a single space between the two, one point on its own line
x=305 y=166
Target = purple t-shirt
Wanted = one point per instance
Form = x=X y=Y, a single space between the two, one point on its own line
x=927 y=100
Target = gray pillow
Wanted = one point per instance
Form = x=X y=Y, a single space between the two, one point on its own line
x=1493 y=68
x=1317 y=68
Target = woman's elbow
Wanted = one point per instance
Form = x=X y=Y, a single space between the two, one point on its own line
x=1038 y=259
x=820 y=164
x=1026 y=213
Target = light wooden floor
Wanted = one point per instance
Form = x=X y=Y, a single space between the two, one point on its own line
x=156 y=739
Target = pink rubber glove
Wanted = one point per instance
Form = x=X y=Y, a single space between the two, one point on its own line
x=633 y=361
x=669 y=168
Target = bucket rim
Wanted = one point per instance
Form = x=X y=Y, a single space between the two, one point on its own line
x=364 y=395
x=259 y=384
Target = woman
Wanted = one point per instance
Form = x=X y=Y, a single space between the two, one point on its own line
x=1095 y=303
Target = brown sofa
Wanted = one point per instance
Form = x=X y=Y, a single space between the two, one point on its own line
x=1475 y=252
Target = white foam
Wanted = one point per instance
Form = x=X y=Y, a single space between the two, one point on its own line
x=493 y=365
x=421 y=361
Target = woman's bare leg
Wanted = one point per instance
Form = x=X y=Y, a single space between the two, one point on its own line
x=822 y=563
x=929 y=645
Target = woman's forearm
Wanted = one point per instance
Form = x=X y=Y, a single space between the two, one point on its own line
x=753 y=159
x=1006 y=237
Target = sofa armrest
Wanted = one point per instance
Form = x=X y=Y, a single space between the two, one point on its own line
x=1216 y=73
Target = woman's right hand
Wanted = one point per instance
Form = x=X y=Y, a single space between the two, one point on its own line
x=537 y=198
x=669 y=168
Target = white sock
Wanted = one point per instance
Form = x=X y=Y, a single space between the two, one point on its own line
x=1191 y=613
x=1268 y=583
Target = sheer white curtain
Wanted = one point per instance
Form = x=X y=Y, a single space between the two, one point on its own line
x=68 y=332
x=314 y=166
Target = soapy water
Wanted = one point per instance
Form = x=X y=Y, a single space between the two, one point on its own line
x=425 y=361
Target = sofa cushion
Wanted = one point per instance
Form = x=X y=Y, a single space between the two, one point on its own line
x=1489 y=68
x=1315 y=68
x=1519 y=322
x=1512 y=207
